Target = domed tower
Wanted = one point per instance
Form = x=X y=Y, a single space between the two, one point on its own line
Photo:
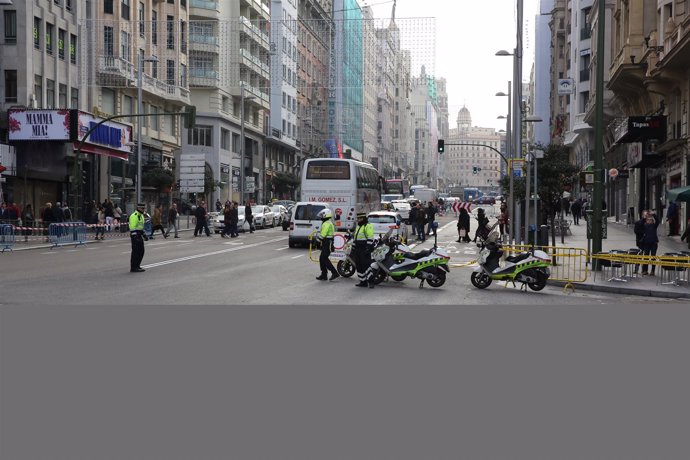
x=464 y=120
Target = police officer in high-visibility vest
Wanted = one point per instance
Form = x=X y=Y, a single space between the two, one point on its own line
x=137 y=234
x=325 y=237
x=361 y=250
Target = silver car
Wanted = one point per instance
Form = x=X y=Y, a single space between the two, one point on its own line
x=263 y=216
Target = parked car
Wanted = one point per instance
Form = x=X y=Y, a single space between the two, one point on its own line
x=402 y=207
x=263 y=216
x=218 y=222
x=286 y=203
x=280 y=212
x=385 y=220
x=484 y=200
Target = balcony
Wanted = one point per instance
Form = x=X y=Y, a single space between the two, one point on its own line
x=115 y=71
x=254 y=32
x=256 y=92
x=204 y=43
x=164 y=90
x=255 y=63
x=204 y=4
x=200 y=77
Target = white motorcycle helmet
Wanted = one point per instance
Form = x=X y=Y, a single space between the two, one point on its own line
x=325 y=214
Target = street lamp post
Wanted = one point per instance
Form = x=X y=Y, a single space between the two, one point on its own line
x=242 y=141
x=511 y=209
x=529 y=119
x=140 y=110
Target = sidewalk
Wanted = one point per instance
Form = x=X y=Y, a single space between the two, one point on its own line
x=621 y=236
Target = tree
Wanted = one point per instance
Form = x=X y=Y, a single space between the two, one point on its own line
x=160 y=178
x=283 y=183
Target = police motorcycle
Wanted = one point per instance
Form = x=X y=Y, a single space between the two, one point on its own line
x=395 y=259
x=530 y=268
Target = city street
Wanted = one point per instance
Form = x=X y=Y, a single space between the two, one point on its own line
x=256 y=268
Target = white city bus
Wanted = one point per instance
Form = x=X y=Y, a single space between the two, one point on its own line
x=348 y=186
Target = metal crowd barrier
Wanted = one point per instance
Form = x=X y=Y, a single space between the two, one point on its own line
x=7 y=236
x=627 y=265
x=67 y=233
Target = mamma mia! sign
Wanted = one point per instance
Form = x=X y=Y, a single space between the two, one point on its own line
x=42 y=125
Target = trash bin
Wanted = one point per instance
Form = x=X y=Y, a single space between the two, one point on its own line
x=543 y=237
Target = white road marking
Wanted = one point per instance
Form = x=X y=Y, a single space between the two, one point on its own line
x=297 y=257
x=282 y=249
x=51 y=252
x=207 y=254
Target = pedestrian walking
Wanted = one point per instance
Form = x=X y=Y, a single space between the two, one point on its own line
x=431 y=217
x=248 y=216
x=361 y=250
x=108 y=210
x=412 y=219
x=576 y=209
x=503 y=222
x=172 y=220
x=325 y=237
x=420 y=218
x=138 y=236
x=117 y=215
x=227 y=215
x=201 y=221
x=482 y=222
x=463 y=226
x=234 y=219
x=673 y=219
x=219 y=205
x=157 y=222
x=100 y=223
x=649 y=242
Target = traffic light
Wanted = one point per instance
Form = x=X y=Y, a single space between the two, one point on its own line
x=83 y=176
x=474 y=170
x=441 y=145
x=190 y=117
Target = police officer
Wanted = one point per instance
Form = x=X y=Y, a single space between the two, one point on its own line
x=136 y=232
x=363 y=245
x=325 y=237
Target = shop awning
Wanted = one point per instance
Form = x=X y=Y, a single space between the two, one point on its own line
x=678 y=194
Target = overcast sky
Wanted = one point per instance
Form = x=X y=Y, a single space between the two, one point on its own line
x=468 y=34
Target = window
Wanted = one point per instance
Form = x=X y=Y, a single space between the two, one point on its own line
x=224 y=139
x=154 y=119
x=171 y=2
x=108 y=100
x=225 y=105
x=62 y=96
x=183 y=75
x=37 y=33
x=169 y=124
x=108 y=44
x=38 y=90
x=183 y=3
x=127 y=105
x=154 y=27
x=50 y=93
x=200 y=135
x=10 y=26
x=124 y=9
x=170 y=25
x=10 y=86
x=235 y=142
x=73 y=48
x=142 y=28
x=108 y=6
x=170 y=72
x=61 y=44
x=183 y=39
x=74 y=98
x=57 y=2
x=49 y=38
x=68 y=5
x=124 y=45
x=154 y=68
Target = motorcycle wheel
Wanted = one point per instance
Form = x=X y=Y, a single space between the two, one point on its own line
x=345 y=268
x=540 y=283
x=439 y=280
x=480 y=280
x=398 y=277
x=379 y=277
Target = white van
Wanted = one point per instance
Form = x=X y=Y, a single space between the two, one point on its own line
x=304 y=221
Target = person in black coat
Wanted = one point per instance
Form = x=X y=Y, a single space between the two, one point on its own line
x=248 y=216
x=201 y=220
x=464 y=225
x=482 y=222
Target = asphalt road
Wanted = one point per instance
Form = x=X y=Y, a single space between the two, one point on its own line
x=256 y=268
